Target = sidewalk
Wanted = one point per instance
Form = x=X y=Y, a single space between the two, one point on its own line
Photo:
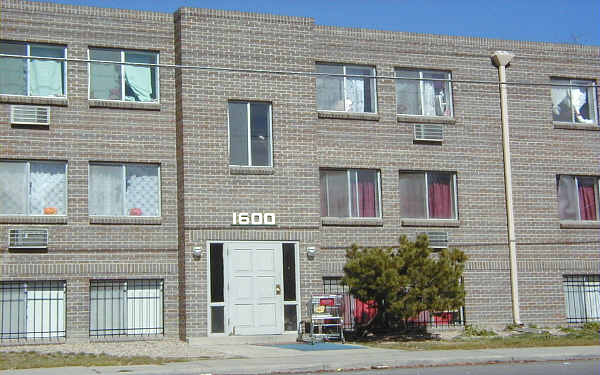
x=259 y=359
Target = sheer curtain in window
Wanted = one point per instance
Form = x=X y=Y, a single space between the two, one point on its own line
x=48 y=188
x=355 y=94
x=13 y=319
x=139 y=80
x=13 y=195
x=412 y=195
x=142 y=190
x=106 y=190
x=567 y=198
x=144 y=307
x=428 y=98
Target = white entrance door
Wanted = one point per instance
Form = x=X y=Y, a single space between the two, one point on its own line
x=255 y=288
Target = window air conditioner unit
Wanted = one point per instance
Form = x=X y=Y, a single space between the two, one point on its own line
x=28 y=238
x=29 y=115
x=437 y=240
x=429 y=132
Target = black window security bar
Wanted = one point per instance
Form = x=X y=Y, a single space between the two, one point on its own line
x=32 y=309
x=582 y=298
x=358 y=312
x=126 y=307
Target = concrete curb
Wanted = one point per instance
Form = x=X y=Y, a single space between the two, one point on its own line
x=283 y=363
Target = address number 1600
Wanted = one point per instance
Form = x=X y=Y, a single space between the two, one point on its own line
x=252 y=218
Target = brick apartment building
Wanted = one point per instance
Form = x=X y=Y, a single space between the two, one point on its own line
x=203 y=180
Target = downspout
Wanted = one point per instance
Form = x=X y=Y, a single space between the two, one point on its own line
x=501 y=59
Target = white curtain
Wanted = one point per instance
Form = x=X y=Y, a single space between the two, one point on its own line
x=45 y=309
x=428 y=98
x=48 y=188
x=45 y=78
x=355 y=94
x=108 y=310
x=144 y=307
x=142 y=190
x=13 y=190
x=407 y=93
x=106 y=190
x=139 y=80
x=558 y=95
x=592 y=299
x=568 y=205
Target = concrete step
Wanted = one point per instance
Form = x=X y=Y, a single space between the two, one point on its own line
x=285 y=338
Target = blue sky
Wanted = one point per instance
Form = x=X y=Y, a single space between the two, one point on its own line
x=564 y=21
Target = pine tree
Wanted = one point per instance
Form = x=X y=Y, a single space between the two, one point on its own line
x=400 y=282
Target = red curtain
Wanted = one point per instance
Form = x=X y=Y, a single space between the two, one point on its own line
x=440 y=201
x=366 y=197
x=363 y=312
x=587 y=200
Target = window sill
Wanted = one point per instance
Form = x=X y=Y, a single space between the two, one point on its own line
x=348 y=115
x=578 y=224
x=352 y=222
x=144 y=106
x=247 y=170
x=39 y=100
x=576 y=126
x=125 y=220
x=430 y=223
x=426 y=119
x=48 y=219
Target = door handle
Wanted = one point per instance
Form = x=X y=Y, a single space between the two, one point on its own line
x=277 y=289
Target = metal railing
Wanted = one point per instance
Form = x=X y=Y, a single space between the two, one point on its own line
x=32 y=309
x=126 y=307
x=357 y=312
x=582 y=298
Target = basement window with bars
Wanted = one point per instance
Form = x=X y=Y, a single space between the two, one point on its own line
x=32 y=309
x=126 y=307
x=582 y=298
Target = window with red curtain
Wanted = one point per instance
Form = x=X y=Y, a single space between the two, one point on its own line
x=350 y=193
x=427 y=195
x=578 y=197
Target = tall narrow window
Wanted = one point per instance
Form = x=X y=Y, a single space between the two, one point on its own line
x=573 y=100
x=290 y=312
x=423 y=92
x=132 y=77
x=428 y=195
x=33 y=188
x=40 y=72
x=250 y=133
x=578 y=197
x=217 y=300
x=350 y=193
x=352 y=91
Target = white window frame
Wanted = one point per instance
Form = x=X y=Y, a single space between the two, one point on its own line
x=28 y=57
x=123 y=64
x=573 y=82
x=371 y=77
x=350 y=172
x=124 y=186
x=421 y=79
x=454 y=196
x=249 y=128
x=596 y=194
x=28 y=185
